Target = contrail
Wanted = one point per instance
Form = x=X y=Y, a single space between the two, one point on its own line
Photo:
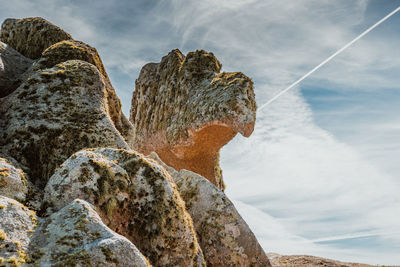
x=329 y=58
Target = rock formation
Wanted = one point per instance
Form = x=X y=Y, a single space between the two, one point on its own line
x=224 y=236
x=31 y=36
x=134 y=198
x=184 y=109
x=66 y=153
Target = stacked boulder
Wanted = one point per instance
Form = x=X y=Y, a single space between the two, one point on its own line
x=74 y=188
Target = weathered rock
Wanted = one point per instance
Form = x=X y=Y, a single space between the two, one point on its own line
x=71 y=49
x=76 y=236
x=31 y=36
x=135 y=197
x=184 y=109
x=309 y=261
x=12 y=66
x=53 y=114
x=17 y=224
x=13 y=183
x=225 y=238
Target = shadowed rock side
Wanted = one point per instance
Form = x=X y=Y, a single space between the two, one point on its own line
x=12 y=66
x=309 y=261
x=225 y=238
x=134 y=197
x=31 y=36
x=184 y=109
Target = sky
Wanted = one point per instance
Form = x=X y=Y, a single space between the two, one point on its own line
x=320 y=174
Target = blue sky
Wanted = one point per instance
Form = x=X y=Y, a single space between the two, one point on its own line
x=320 y=174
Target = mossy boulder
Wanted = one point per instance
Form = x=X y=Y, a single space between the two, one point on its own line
x=76 y=236
x=76 y=50
x=13 y=183
x=185 y=109
x=53 y=114
x=225 y=238
x=135 y=197
x=31 y=36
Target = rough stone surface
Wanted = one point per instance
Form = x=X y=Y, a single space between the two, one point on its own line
x=31 y=36
x=71 y=49
x=53 y=114
x=13 y=183
x=185 y=109
x=308 y=261
x=135 y=197
x=76 y=236
x=17 y=224
x=12 y=66
x=225 y=238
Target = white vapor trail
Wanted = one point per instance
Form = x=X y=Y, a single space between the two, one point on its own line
x=329 y=58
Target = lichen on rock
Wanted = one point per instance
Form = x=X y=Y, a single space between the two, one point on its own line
x=225 y=238
x=13 y=183
x=134 y=197
x=53 y=114
x=31 y=36
x=185 y=109
x=76 y=236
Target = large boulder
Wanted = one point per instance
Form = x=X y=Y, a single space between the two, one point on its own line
x=12 y=66
x=54 y=113
x=185 y=109
x=13 y=183
x=17 y=225
x=225 y=238
x=135 y=197
x=76 y=236
x=71 y=49
x=31 y=36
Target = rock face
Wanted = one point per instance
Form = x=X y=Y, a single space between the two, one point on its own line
x=53 y=114
x=184 y=109
x=76 y=236
x=17 y=225
x=73 y=236
x=13 y=183
x=31 y=36
x=12 y=66
x=224 y=236
x=134 y=197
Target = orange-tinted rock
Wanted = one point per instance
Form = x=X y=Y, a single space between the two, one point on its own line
x=185 y=109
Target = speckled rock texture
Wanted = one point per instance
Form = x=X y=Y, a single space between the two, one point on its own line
x=13 y=183
x=71 y=49
x=53 y=114
x=76 y=236
x=31 y=36
x=225 y=238
x=135 y=197
x=185 y=109
x=309 y=261
x=17 y=225
x=12 y=66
